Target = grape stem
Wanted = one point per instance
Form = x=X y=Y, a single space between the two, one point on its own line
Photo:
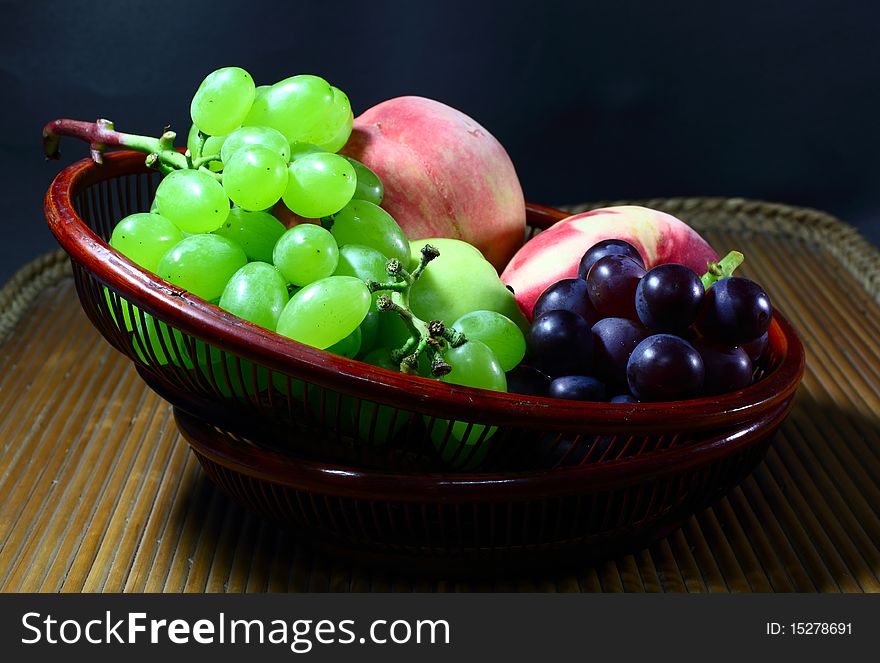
x=431 y=337
x=724 y=268
x=102 y=134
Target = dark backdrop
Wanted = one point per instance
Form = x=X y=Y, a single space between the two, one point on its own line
x=593 y=100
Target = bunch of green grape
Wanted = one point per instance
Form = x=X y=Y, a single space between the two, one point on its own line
x=214 y=230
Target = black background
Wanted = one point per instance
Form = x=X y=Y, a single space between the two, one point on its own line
x=593 y=100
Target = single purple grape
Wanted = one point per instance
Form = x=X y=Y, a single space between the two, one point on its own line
x=569 y=295
x=527 y=380
x=757 y=347
x=607 y=247
x=668 y=298
x=727 y=368
x=577 y=388
x=664 y=367
x=735 y=310
x=612 y=283
x=614 y=339
x=560 y=343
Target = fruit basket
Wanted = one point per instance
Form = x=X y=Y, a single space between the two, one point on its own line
x=400 y=467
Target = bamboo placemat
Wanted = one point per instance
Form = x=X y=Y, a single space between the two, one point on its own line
x=99 y=493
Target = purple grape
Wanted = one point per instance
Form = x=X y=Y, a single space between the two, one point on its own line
x=754 y=349
x=727 y=368
x=624 y=398
x=607 y=247
x=577 y=388
x=614 y=339
x=668 y=298
x=560 y=343
x=735 y=310
x=567 y=294
x=664 y=367
x=527 y=380
x=612 y=283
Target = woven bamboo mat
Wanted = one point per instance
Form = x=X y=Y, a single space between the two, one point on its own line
x=99 y=493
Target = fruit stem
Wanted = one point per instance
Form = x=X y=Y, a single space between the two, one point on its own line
x=102 y=134
x=724 y=268
x=432 y=336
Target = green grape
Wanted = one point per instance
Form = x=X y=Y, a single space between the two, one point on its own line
x=361 y=222
x=325 y=312
x=255 y=177
x=212 y=145
x=144 y=238
x=306 y=253
x=369 y=186
x=459 y=281
x=192 y=200
x=267 y=137
x=257 y=293
x=349 y=346
x=498 y=332
x=255 y=232
x=473 y=365
x=392 y=332
x=202 y=264
x=299 y=108
x=299 y=150
x=319 y=184
x=365 y=263
x=338 y=123
x=222 y=101
x=258 y=107
x=369 y=331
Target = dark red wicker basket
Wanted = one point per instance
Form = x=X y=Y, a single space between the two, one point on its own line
x=400 y=467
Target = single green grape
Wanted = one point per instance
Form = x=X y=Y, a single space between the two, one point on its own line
x=255 y=232
x=267 y=137
x=255 y=177
x=212 y=145
x=325 y=312
x=257 y=293
x=298 y=107
x=192 y=200
x=365 y=263
x=257 y=113
x=306 y=253
x=369 y=186
x=144 y=238
x=498 y=332
x=369 y=331
x=202 y=264
x=362 y=222
x=349 y=346
x=299 y=150
x=473 y=365
x=222 y=101
x=319 y=184
x=337 y=124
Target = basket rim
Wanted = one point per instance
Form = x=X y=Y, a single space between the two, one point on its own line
x=212 y=324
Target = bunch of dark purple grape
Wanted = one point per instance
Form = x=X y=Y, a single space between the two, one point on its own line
x=622 y=334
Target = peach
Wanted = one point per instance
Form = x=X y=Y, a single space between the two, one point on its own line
x=444 y=175
x=555 y=253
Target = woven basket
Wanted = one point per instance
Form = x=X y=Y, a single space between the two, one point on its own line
x=400 y=467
